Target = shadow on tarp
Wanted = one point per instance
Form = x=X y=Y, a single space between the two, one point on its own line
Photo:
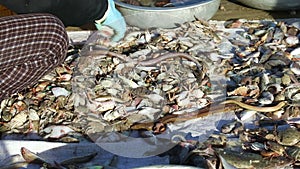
x=58 y=152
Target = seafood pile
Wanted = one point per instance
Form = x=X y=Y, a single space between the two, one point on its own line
x=142 y=83
x=263 y=79
x=158 y=3
x=45 y=110
x=156 y=77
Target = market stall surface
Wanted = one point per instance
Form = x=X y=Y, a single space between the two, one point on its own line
x=164 y=90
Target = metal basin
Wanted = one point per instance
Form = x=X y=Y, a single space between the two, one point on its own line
x=272 y=5
x=167 y=17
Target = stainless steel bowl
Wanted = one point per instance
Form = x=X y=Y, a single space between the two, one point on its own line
x=167 y=17
x=272 y=5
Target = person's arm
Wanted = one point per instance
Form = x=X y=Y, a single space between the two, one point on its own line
x=113 y=19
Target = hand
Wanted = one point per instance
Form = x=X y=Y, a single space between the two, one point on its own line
x=115 y=20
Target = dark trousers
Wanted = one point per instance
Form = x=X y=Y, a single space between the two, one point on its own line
x=31 y=45
x=70 y=12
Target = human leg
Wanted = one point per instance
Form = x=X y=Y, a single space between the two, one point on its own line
x=31 y=45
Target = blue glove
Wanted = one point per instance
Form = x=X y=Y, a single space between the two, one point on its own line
x=114 y=20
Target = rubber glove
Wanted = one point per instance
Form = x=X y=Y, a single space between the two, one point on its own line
x=114 y=20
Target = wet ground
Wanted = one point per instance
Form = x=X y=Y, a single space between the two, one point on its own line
x=230 y=9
